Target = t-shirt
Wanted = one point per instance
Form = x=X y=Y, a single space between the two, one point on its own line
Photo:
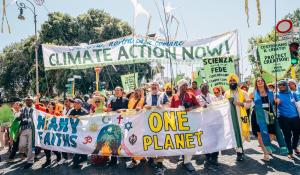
x=78 y=112
x=26 y=118
x=187 y=100
x=119 y=103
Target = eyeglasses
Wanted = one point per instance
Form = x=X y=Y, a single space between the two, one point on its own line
x=281 y=84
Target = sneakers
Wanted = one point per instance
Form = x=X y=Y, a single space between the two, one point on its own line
x=131 y=164
x=189 y=167
x=27 y=166
x=240 y=156
x=46 y=164
x=62 y=161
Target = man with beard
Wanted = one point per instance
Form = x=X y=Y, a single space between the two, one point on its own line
x=185 y=101
x=26 y=126
x=242 y=103
x=156 y=99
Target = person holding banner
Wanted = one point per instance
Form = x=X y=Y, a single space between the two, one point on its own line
x=289 y=120
x=26 y=133
x=50 y=109
x=117 y=103
x=78 y=110
x=205 y=99
x=185 y=101
x=242 y=103
x=263 y=120
x=156 y=99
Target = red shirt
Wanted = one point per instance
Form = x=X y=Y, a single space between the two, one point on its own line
x=188 y=98
x=44 y=109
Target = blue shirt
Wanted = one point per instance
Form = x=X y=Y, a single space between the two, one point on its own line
x=287 y=107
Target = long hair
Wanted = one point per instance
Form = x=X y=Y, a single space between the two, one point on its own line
x=265 y=84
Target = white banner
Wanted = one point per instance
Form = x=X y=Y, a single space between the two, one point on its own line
x=129 y=50
x=145 y=133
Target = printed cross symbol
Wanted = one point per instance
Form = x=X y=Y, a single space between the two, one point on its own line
x=120 y=118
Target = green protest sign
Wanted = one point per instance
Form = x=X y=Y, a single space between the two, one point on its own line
x=268 y=60
x=128 y=81
x=217 y=69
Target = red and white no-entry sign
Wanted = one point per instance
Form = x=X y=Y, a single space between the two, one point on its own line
x=284 y=26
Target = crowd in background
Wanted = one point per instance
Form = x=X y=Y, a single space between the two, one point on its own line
x=271 y=116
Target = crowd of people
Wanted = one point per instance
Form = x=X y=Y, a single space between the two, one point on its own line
x=269 y=111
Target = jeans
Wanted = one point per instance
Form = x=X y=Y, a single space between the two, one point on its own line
x=291 y=131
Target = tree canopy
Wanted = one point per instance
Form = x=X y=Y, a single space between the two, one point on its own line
x=17 y=62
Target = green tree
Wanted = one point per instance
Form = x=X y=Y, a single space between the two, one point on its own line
x=17 y=60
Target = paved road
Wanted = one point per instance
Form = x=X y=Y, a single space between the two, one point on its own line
x=251 y=165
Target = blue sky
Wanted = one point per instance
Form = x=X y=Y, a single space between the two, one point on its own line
x=202 y=18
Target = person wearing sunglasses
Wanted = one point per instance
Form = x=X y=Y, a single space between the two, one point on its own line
x=217 y=94
x=263 y=120
x=289 y=120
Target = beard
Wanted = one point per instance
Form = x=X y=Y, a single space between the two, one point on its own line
x=233 y=86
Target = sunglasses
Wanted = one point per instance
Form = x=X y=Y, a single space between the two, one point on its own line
x=216 y=92
x=281 y=84
x=97 y=101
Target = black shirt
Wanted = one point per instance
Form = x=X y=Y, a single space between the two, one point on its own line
x=79 y=112
x=119 y=103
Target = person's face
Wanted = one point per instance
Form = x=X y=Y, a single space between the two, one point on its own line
x=292 y=86
x=204 y=89
x=194 y=85
x=282 y=87
x=77 y=105
x=260 y=83
x=50 y=107
x=137 y=93
x=271 y=87
x=16 y=106
x=97 y=102
x=154 y=87
x=217 y=93
x=183 y=88
x=118 y=92
x=28 y=103
x=67 y=103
